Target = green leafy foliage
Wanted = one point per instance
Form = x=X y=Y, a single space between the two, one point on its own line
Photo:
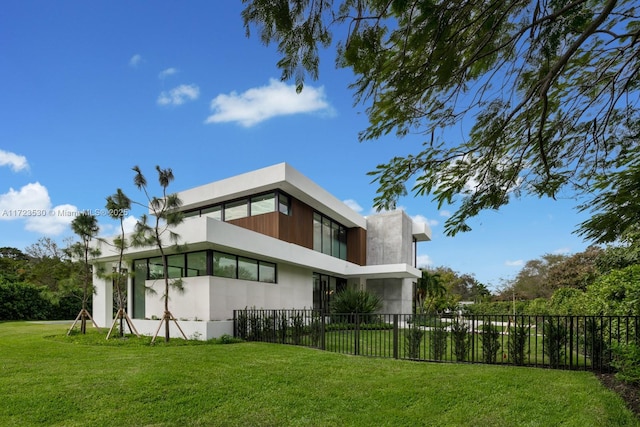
x=490 y=338
x=438 y=341
x=615 y=207
x=413 y=338
x=518 y=343
x=460 y=339
x=351 y=301
x=24 y=301
x=548 y=89
x=555 y=336
x=627 y=362
x=616 y=293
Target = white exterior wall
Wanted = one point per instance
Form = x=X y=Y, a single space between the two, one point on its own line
x=215 y=298
x=102 y=300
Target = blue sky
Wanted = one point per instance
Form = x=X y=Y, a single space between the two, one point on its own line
x=90 y=89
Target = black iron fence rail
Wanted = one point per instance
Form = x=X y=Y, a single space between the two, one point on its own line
x=560 y=342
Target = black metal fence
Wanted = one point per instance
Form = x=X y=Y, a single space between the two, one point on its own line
x=560 y=342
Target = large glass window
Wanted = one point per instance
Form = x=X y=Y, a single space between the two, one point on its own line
x=317 y=232
x=197 y=264
x=256 y=205
x=263 y=204
x=139 y=276
x=324 y=290
x=191 y=213
x=175 y=264
x=224 y=265
x=326 y=236
x=247 y=269
x=329 y=237
x=214 y=212
x=156 y=268
x=267 y=272
x=235 y=210
x=284 y=204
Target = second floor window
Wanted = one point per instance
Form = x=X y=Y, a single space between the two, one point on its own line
x=329 y=237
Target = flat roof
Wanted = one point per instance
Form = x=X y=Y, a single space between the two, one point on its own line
x=281 y=176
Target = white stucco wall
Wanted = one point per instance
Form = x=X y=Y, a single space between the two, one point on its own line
x=215 y=298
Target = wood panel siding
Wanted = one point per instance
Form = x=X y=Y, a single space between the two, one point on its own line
x=297 y=228
x=265 y=224
x=357 y=245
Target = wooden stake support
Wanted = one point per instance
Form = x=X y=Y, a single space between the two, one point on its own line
x=166 y=318
x=122 y=314
x=82 y=315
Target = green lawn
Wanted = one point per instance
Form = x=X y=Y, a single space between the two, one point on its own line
x=49 y=379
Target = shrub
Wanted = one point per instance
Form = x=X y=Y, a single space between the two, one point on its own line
x=23 y=301
x=350 y=301
x=242 y=324
x=460 y=338
x=490 y=338
x=438 y=345
x=413 y=337
x=626 y=360
x=283 y=325
x=554 y=340
x=594 y=342
x=297 y=321
x=228 y=339
x=518 y=340
x=315 y=328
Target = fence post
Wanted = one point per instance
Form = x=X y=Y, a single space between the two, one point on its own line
x=323 y=330
x=396 y=335
x=356 y=347
x=571 y=343
x=235 y=325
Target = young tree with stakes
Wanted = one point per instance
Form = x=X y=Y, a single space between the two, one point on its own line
x=164 y=210
x=86 y=227
x=118 y=205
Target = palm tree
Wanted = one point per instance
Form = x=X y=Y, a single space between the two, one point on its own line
x=86 y=227
x=428 y=289
x=167 y=216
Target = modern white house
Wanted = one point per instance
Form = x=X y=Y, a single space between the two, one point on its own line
x=269 y=239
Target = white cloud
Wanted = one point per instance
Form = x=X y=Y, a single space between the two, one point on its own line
x=179 y=95
x=135 y=60
x=353 y=205
x=168 y=72
x=32 y=204
x=13 y=160
x=516 y=263
x=445 y=213
x=112 y=228
x=424 y=220
x=262 y=103
x=129 y=223
x=55 y=222
x=424 y=261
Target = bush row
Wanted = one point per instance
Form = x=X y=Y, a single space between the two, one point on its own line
x=24 y=301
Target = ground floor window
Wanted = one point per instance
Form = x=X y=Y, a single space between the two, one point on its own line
x=206 y=263
x=200 y=263
x=324 y=289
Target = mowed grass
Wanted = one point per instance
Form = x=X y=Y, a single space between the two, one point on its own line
x=49 y=379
